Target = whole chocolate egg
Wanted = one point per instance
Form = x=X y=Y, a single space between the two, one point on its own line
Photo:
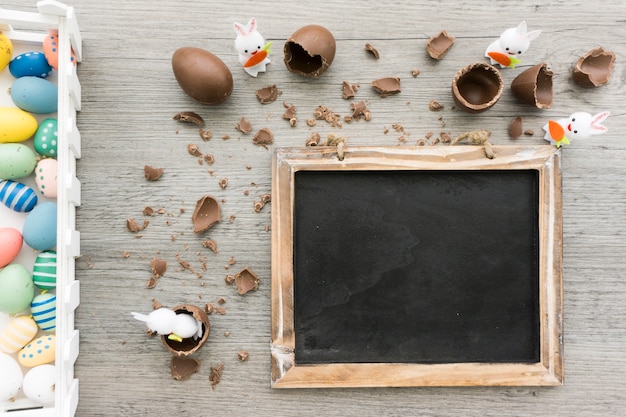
x=202 y=75
x=309 y=51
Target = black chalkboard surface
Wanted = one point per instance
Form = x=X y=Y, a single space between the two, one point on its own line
x=424 y=266
x=416 y=266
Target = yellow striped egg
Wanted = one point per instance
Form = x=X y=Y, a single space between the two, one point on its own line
x=38 y=352
x=17 y=333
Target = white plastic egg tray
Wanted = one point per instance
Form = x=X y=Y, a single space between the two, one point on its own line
x=27 y=31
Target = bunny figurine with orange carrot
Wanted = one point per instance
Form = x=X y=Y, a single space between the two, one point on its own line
x=512 y=43
x=579 y=125
x=251 y=47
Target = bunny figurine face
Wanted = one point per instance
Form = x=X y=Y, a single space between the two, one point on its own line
x=512 y=42
x=251 y=47
x=579 y=125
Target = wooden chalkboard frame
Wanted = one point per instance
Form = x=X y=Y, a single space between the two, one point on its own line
x=287 y=373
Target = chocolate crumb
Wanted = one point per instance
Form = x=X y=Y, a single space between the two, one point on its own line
x=193 y=150
x=325 y=113
x=232 y=218
x=243 y=125
x=386 y=86
x=132 y=225
x=445 y=137
x=429 y=135
x=206 y=135
x=226 y=334
x=421 y=142
x=152 y=173
x=223 y=183
x=314 y=140
x=269 y=94
x=156 y=304
x=221 y=300
x=434 y=105
x=243 y=355
x=216 y=375
x=225 y=137
x=529 y=132
x=438 y=45
x=246 y=281
x=310 y=122
x=516 y=128
x=360 y=110
x=209 y=308
x=369 y=48
x=290 y=114
x=415 y=72
x=229 y=279
x=266 y=198
x=348 y=90
x=151 y=283
x=126 y=254
x=148 y=211
x=206 y=213
x=232 y=261
x=183 y=367
x=263 y=137
x=220 y=310
x=191 y=117
x=158 y=267
x=209 y=159
x=258 y=206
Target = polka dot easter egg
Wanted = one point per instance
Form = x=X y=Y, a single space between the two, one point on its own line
x=17 y=196
x=46 y=177
x=51 y=50
x=30 y=64
x=45 y=270
x=17 y=333
x=46 y=138
x=44 y=311
x=38 y=352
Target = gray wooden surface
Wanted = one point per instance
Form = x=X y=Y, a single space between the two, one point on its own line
x=129 y=98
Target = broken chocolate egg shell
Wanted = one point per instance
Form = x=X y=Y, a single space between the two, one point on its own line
x=189 y=345
x=246 y=281
x=206 y=214
x=534 y=86
x=202 y=75
x=594 y=68
x=516 y=128
x=438 y=45
x=477 y=87
x=183 y=367
x=310 y=51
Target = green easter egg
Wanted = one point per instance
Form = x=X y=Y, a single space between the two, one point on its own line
x=16 y=161
x=16 y=289
x=46 y=138
x=45 y=270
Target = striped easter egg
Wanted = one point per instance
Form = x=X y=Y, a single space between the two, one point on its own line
x=17 y=333
x=45 y=270
x=44 y=311
x=17 y=196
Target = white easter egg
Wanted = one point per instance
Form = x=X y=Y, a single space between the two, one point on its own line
x=39 y=384
x=12 y=377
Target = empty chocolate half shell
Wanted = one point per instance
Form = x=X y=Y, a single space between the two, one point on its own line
x=310 y=51
x=206 y=214
x=438 y=45
x=189 y=345
x=534 y=86
x=477 y=87
x=594 y=68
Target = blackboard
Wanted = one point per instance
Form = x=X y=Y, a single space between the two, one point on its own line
x=442 y=266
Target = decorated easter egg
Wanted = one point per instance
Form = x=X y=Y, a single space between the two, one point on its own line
x=17 y=334
x=46 y=177
x=40 y=227
x=6 y=52
x=17 y=196
x=16 y=161
x=45 y=141
x=16 y=125
x=39 y=383
x=30 y=64
x=38 y=352
x=51 y=50
x=12 y=378
x=35 y=95
x=16 y=289
x=45 y=270
x=10 y=245
x=44 y=311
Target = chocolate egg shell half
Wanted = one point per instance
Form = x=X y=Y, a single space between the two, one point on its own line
x=594 y=68
x=534 y=86
x=477 y=87
x=202 y=75
x=309 y=51
x=188 y=345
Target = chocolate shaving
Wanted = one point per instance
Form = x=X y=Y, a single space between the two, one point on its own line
x=132 y=225
x=158 y=267
x=386 y=86
x=314 y=140
x=183 y=367
x=269 y=94
x=369 y=48
x=152 y=173
x=216 y=375
x=243 y=125
x=438 y=45
x=325 y=113
x=191 y=117
x=263 y=137
x=246 y=281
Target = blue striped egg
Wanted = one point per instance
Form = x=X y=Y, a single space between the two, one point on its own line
x=44 y=311
x=30 y=64
x=17 y=196
x=45 y=270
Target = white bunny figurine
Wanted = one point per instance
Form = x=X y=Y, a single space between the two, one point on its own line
x=164 y=321
x=512 y=42
x=251 y=47
x=580 y=125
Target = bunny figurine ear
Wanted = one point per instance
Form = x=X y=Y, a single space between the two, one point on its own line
x=251 y=25
x=596 y=126
x=522 y=32
x=240 y=29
